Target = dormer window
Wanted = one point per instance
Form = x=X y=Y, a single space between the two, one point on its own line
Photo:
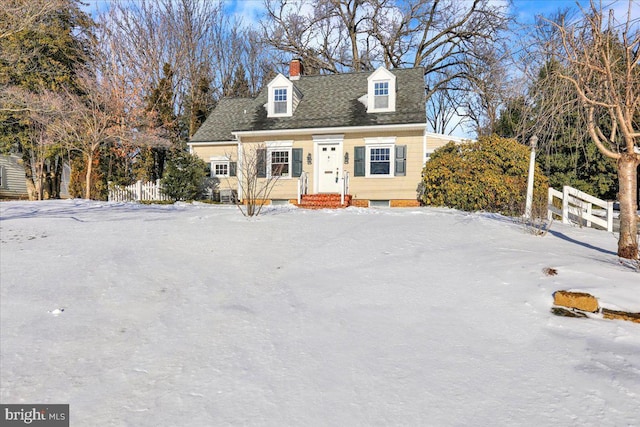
x=381 y=93
x=283 y=97
x=280 y=101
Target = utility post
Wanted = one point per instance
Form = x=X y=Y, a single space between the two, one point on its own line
x=532 y=165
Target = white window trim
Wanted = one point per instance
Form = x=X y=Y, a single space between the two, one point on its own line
x=219 y=160
x=375 y=96
x=380 y=142
x=287 y=96
x=381 y=75
x=279 y=146
x=279 y=82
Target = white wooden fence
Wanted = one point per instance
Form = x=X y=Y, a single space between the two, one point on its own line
x=577 y=207
x=137 y=191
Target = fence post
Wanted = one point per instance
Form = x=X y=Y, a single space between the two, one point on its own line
x=610 y=217
x=139 y=190
x=532 y=167
x=565 y=204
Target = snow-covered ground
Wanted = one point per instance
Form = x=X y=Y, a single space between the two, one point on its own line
x=192 y=315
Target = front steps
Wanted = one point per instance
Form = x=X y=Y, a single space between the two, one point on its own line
x=323 y=201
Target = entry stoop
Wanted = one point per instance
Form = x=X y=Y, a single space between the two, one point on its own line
x=324 y=201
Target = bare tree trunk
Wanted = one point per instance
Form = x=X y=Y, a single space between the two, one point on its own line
x=28 y=176
x=57 y=178
x=40 y=179
x=602 y=56
x=628 y=180
x=87 y=182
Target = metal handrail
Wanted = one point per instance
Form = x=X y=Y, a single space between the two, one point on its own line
x=345 y=186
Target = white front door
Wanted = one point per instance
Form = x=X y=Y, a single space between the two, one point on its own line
x=329 y=161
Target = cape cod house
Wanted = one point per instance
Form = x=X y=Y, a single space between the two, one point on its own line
x=356 y=138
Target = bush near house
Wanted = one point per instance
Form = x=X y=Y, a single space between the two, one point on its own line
x=184 y=176
x=489 y=175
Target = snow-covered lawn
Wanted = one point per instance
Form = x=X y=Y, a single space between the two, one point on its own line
x=192 y=315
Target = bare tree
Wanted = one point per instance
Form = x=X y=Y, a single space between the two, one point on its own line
x=260 y=61
x=602 y=57
x=255 y=181
x=443 y=111
x=202 y=45
x=451 y=39
x=41 y=154
x=86 y=123
x=330 y=36
x=19 y=15
x=487 y=86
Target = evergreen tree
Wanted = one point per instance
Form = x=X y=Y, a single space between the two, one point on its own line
x=200 y=104
x=184 y=176
x=240 y=85
x=512 y=119
x=160 y=106
x=566 y=153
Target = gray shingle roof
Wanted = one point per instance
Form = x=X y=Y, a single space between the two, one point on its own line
x=327 y=101
x=230 y=114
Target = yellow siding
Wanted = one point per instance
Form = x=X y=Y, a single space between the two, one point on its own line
x=401 y=190
x=227 y=150
x=205 y=152
x=386 y=188
x=368 y=188
x=434 y=142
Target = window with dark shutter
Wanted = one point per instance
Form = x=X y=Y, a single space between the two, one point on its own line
x=379 y=161
x=279 y=162
x=233 y=167
x=359 y=161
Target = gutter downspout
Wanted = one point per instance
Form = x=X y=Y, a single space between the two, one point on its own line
x=239 y=168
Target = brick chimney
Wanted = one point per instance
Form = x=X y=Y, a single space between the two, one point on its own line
x=295 y=69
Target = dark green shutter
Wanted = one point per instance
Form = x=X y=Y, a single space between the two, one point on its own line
x=233 y=166
x=401 y=160
x=296 y=153
x=359 y=161
x=261 y=162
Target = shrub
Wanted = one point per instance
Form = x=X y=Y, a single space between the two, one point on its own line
x=183 y=177
x=490 y=175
